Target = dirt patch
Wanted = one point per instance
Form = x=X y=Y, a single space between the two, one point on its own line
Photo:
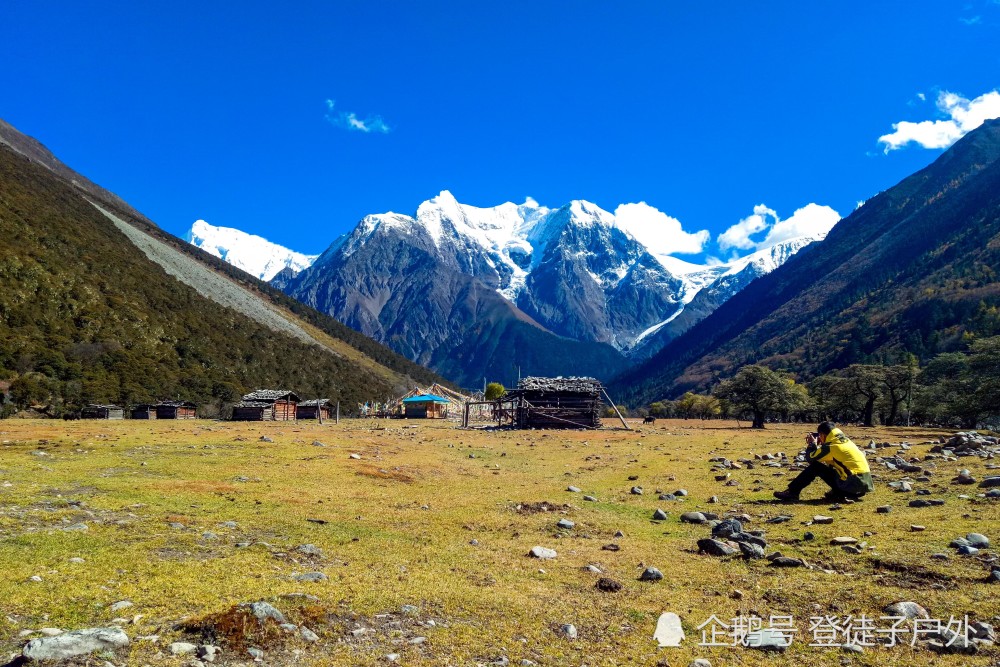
x=902 y=575
x=394 y=474
x=195 y=486
x=537 y=508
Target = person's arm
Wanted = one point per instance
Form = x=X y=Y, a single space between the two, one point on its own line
x=822 y=452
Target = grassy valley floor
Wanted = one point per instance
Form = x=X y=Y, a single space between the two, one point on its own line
x=422 y=531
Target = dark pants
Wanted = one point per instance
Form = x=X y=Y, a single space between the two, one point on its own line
x=821 y=470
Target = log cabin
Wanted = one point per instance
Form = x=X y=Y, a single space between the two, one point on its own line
x=176 y=410
x=102 y=412
x=267 y=405
x=313 y=408
x=143 y=411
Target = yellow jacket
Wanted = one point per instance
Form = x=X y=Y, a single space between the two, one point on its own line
x=837 y=451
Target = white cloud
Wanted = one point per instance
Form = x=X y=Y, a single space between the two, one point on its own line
x=812 y=220
x=738 y=236
x=964 y=115
x=348 y=120
x=659 y=232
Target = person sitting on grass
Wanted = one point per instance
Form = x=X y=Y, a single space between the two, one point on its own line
x=837 y=461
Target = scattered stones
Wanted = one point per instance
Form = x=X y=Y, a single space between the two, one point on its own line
x=822 y=520
x=264 y=438
x=573 y=489
x=76 y=528
x=669 y=631
x=636 y=491
x=693 y=517
x=781 y=518
x=787 y=561
x=659 y=515
x=593 y=569
x=920 y=502
x=410 y=609
x=569 y=631
x=355 y=456
x=967 y=551
x=751 y=551
x=990 y=483
x=700 y=662
x=681 y=492
x=608 y=585
x=727 y=528
x=255 y=653
x=914 y=528
x=712 y=501
x=808 y=536
x=543 y=553
x=590 y=499
x=565 y=524
x=311 y=577
x=73 y=644
x=964 y=477
x=121 y=604
x=907 y=609
x=883 y=509
x=651 y=574
x=308 y=635
x=844 y=540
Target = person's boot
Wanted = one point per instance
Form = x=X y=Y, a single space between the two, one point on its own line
x=786 y=495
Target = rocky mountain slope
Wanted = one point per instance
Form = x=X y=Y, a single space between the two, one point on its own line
x=449 y=286
x=99 y=304
x=914 y=270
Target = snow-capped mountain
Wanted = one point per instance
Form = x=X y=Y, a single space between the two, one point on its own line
x=254 y=254
x=441 y=285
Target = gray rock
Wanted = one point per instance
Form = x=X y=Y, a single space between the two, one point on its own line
x=906 y=609
x=844 y=540
x=565 y=524
x=255 y=653
x=308 y=635
x=593 y=569
x=573 y=489
x=852 y=648
x=651 y=574
x=659 y=515
x=693 y=517
x=311 y=577
x=919 y=502
x=884 y=509
x=977 y=540
x=984 y=631
x=77 y=643
x=182 y=648
x=636 y=491
x=993 y=577
x=542 y=552
x=767 y=640
x=76 y=528
x=209 y=535
x=751 y=551
x=681 y=492
x=289 y=627
x=727 y=528
x=264 y=438
x=786 y=561
x=712 y=501
x=229 y=524
x=207 y=652
x=121 y=604
x=781 y=518
x=820 y=519
x=263 y=611
x=715 y=547
x=700 y=662
x=668 y=630
x=569 y=631
x=309 y=550
x=590 y=499
x=990 y=483
x=410 y=609
x=967 y=551
x=667 y=496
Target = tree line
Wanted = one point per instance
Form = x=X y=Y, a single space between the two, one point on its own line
x=954 y=389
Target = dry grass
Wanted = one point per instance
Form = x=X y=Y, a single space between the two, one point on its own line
x=396 y=528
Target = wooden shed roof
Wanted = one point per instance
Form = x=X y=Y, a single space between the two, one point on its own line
x=271 y=395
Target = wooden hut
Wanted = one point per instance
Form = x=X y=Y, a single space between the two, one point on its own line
x=176 y=410
x=313 y=408
x=102 y=412
x=267 y=405
x=143 y=411
x=426 y=406
x=556 y=403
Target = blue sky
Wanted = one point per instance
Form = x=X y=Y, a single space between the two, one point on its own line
x=294 y=122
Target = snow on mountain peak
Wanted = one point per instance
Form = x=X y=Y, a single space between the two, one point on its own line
x=254 y=254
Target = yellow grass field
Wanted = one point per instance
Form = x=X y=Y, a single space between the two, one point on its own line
x=442 y=519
